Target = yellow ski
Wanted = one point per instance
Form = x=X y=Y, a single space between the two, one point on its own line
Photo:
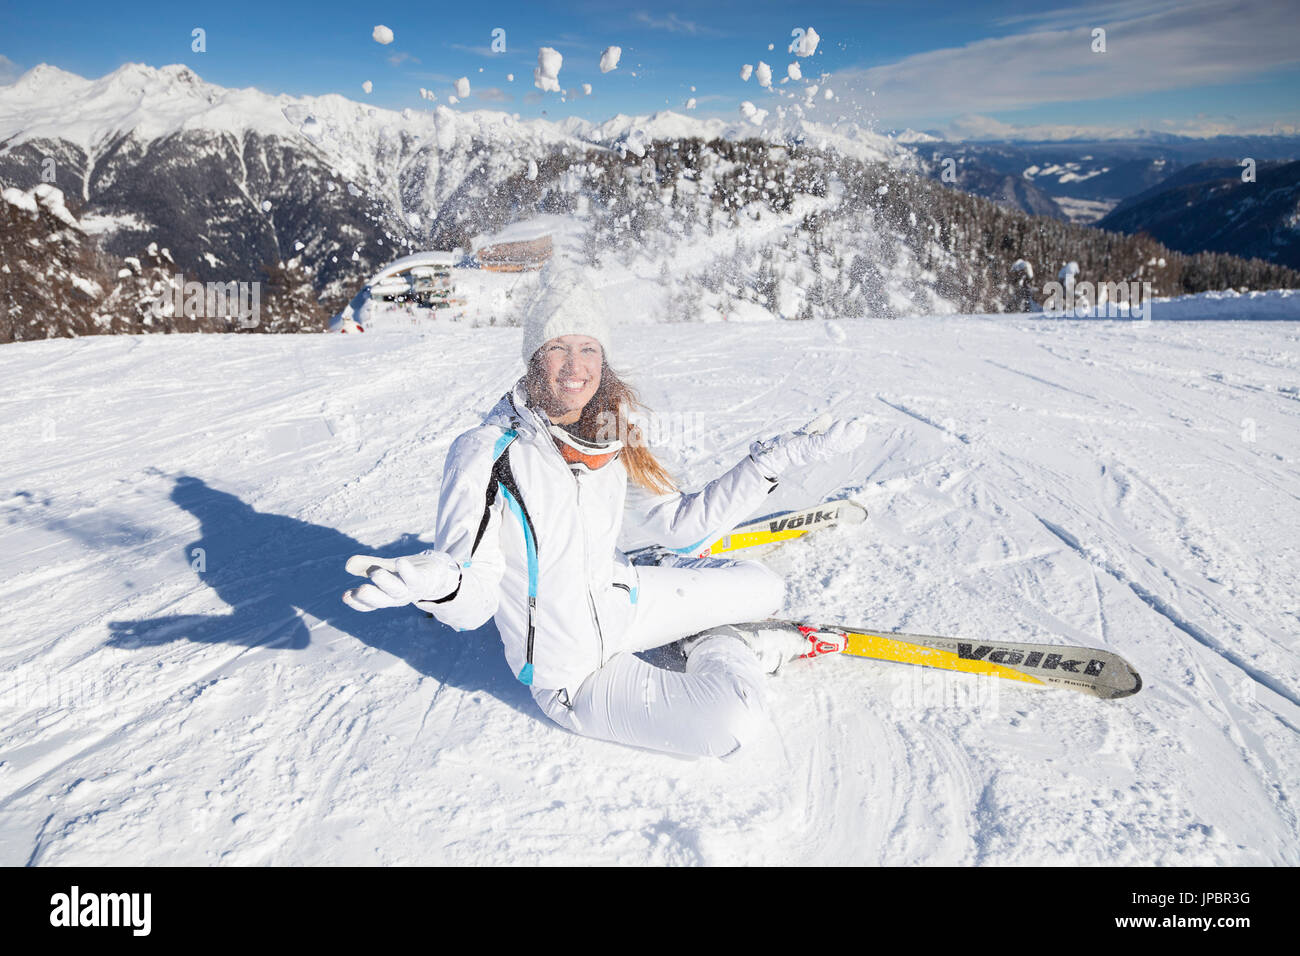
x=784 y=526
x=1088 y=670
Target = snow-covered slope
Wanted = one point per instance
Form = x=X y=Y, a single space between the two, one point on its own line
x=179 y=682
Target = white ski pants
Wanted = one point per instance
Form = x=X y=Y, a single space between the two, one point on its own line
x=716 y=705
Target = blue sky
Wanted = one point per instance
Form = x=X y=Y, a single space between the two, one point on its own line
x=976 y=68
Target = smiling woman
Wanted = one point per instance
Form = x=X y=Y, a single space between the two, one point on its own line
x=563 y=376
x=532 y=505
x=591 y=408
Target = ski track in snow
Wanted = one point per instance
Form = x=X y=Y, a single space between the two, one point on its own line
x=180 y=684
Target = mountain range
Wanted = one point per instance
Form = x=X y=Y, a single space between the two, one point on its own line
x=164 y=171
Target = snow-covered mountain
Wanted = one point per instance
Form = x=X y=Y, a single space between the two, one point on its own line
x=229 y=179
x=1086 y=179
x=787 y=219
x=1209 y=206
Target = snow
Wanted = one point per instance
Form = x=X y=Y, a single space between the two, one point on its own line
x=609 y=58
x=381 y=34
x=763 y=74
x=87 y=286
x=1085 y=210
x=41 y=195
x=565 y=232
x=21 y=200
x=207 y=698
x=462 y=87
x=547 y=72
x=746 y=72
x=367 y=86
x=752 y=113
x=910 y=135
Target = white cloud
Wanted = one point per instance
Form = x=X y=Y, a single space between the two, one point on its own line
x=674 y=24
x=486 y=51
x=972 y=126
x=1165 y=46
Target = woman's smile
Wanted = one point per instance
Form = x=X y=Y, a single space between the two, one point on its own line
x=571 y=365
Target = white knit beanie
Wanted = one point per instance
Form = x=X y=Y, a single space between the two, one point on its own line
x=565 y=304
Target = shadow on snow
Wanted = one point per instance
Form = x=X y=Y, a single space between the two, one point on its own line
x=269 y=568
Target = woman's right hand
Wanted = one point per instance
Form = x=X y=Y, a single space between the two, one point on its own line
x=428 y=576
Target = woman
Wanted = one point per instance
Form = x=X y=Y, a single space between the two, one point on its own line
x=532 y=504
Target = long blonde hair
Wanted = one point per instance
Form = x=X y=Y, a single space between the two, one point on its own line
x=607 y=416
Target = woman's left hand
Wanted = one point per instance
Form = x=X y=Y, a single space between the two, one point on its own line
x=819 y=440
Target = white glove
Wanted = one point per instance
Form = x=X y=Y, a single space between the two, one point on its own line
x=426 y=576
x=819 y=440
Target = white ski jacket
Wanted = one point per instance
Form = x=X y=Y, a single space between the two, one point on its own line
x=537 y=543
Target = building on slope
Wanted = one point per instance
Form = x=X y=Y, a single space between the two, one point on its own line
x=478 y=288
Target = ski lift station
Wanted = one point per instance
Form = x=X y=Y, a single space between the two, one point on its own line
x=486 y=286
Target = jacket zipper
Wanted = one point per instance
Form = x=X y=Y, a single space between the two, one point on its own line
x=586 y=577
x=586 y=560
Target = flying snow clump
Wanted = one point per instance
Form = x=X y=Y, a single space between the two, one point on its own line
x=381 y=34
x=547 y=74
x=609 y=59
x=752 y=113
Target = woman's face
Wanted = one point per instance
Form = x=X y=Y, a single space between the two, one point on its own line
x=570 y=366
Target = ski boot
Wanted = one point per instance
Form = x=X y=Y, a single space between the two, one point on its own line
x=774 y=642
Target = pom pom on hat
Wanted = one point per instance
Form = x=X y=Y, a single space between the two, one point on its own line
x=565 y=304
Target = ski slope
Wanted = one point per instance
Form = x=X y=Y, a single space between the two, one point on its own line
x=180 y=683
